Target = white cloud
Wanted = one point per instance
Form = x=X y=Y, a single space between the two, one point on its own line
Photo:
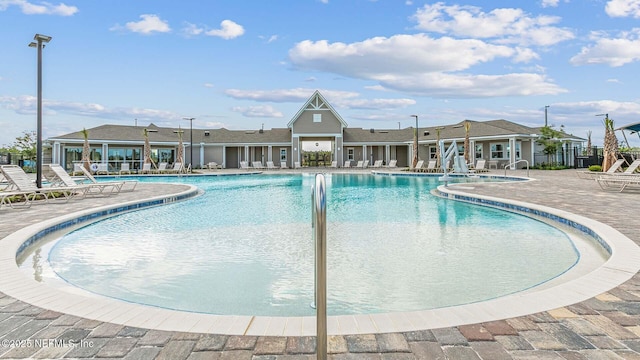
x=267 y=111
x=505 y=25
x=208 y=85
x=43 y=8
x=612 y=51
x=149 y=24
x=228 y=30
x=550 y=3
x=623 y=8
x=192 y=30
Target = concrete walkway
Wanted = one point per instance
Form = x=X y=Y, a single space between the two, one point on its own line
x=604 y=327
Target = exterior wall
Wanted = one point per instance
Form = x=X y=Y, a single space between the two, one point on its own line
x=305 y=125
x=231 y=157
x=275 y=155
x=402 y=155
x=213 y=153
x=295 y=152
x=339 y=151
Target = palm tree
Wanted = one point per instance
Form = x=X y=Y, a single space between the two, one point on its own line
x=467 y=127
x=147 y=149
x=86 y=150
x=589 y=143
x=415 y=148
x=438 y=154
x=610 y=147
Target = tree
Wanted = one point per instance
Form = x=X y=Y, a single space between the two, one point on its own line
x=551 y=142
x=467 y=128
x=26 y=145
x=610 y=147
x=86 y=150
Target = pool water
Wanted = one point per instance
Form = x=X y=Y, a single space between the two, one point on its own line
x=245 y=248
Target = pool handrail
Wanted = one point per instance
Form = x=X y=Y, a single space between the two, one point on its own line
x=516 y=163
x=319 y=225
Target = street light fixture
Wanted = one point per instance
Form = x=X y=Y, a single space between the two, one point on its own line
x=545 y=115
x=191 y=139
x=39 y=42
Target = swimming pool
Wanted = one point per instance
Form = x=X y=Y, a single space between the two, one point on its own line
x=245 y=248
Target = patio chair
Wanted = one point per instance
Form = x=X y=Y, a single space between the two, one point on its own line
x=120 y=185
x=15 y=199
x=283 y=165
x=244 y=165
x=103 y=169
x=419 y=166
x=213 y=166
x=393 y=164
x=19 y=182
x=162 y=168
x=175 y=169
x=257 y=165
x=365 y=164
x=608 y=182
x=632 y=167
x=296 y=165
x=479 y=167
x=146 y=168
x=57 y=176
x=431 y=166
x=359 y=164
x=594 y=174
x=377 y=164
x=347 y=164
x=124 y=169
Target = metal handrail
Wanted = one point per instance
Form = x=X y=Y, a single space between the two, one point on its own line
x=516 y=163
x=319 y=224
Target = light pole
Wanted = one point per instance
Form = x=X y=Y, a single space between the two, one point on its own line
x=415 y=142
x=545 y=115
x=39 y=43
x=191 y=139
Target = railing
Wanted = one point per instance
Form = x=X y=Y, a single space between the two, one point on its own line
x=516 y=163
x=319 y=228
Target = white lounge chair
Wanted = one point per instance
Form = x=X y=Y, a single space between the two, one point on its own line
x=257 y=165
x=124 y=169
x=213 y=166
x=19 y=182
x=419 y=166
x=377 y=164
x=365 y=164
x=162 y=168
x=146 y=169
x=120 y=185
x=615 y=167
x=283 y=165
x=270 y=165
x=103 y=169
x=15 y=199
x=479 y=167
x=57 y=176
x=244 y=165
x=296 y=165
x=609 y=182
x=393 y=164
x=334 y=164
x=431 y=166
x=359 y=163
x=347 y=164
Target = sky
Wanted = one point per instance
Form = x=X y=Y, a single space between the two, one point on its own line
x=251 y=64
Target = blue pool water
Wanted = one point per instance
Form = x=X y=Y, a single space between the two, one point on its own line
x=245 y=248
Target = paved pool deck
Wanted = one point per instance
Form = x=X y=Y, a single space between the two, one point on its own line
x=606 y=326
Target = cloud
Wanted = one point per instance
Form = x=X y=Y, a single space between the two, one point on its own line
x=623 y=8
x=191 y=30
x=43 y=8
x=420 y=64
x=550 y=3
x=503 y=25
x=149 y=24
x=267 y=111
x=208 y=85
x=612 y=51
x=228 y=30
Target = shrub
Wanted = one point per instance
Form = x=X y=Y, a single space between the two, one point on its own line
x=595 y=168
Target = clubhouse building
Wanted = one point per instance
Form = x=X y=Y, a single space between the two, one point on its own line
x=315 y=136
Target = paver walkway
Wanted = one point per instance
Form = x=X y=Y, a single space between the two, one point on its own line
x=604 y=327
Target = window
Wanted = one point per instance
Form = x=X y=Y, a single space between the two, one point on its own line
x=433 y=150
x=350 y=154
x=478 y=151
x=517 y=150
x=283 y=155
x=498 y=151
x=317 y=117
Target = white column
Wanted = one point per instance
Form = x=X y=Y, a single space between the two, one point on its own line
x=364 y=152
x=472 y=152
x=55 y=153
x=246 y=154
x=224 y=157
x=201 y=154
x=270 y=153
x=512 y=152
x=387 y=154
x=533 y=155
x=105 y=153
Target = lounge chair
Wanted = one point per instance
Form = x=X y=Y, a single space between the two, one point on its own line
x=124 y=169
x=15 y=199
x=213 y=166
x=359 y=163
x=283 y=165
x=162 y=168
x=431 y=166
x=120 y=185
x=244 y=165
x=347 y=164
x=57 y=176
x=257 y=165
x=334 y=164
x=419 y=166
x=393 y=164
x=479 y=167
x=377 y=164
x=296 y=165
x=632 y=167
x=365 y=164
x=103 y=169
x=19 y=182
x=175 y=169
x=270 y=165
x=594 y=174
x=609 y=182
x=146 y=169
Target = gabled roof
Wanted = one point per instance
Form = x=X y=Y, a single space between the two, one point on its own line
x=360 y=135
x=316 y=102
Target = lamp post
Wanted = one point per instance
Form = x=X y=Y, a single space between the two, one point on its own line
x=545 y=115
x=39 y=42
x=415 y=142
x=191 y=139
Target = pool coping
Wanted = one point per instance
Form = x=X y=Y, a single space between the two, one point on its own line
x=621 y=266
